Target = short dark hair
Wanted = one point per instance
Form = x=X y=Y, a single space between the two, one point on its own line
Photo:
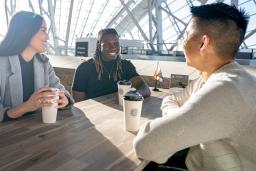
x=23 y=26
x=224 y=23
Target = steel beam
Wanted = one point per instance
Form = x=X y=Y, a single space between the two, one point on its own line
x=68 y=26
x=143 y=34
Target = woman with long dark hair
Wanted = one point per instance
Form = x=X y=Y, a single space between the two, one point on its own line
x=27 y=77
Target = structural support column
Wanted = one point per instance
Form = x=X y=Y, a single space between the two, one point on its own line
x=53 y=26
x=150 y=25
x=68 y=26
x=159 y=26
x=135 y=21
x=9 y=9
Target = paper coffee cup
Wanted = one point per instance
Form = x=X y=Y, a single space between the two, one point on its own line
x=132 y=111
x=123 y=87
x=49 y=113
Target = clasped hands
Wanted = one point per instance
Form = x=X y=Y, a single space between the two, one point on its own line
x=46 y=96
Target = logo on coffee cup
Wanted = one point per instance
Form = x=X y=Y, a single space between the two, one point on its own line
x=134 y=112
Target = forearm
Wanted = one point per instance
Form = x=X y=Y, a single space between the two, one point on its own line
x=153 y=143
x=18 y=111
x=178 y=97
x=169 y=103
x=140 y=85
x=192 y=124
x=144 y=90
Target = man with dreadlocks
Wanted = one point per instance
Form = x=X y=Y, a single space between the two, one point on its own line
x=99 y=75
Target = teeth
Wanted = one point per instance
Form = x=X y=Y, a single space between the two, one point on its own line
x=112 y=53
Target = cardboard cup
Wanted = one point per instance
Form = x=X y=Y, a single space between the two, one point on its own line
x=132 y=102
x=132 y=114
x=49 y=113
x=123 y=87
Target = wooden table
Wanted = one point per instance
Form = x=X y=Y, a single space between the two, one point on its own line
x=89 y=136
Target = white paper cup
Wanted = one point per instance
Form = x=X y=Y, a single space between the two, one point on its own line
x=49 y=113
x=132 y=102
x=122 y=89
x=132 y=114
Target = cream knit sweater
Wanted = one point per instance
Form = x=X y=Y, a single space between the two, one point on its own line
x=217 y=120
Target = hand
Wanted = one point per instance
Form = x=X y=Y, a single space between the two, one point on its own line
x=63 y=100
x=40 y=98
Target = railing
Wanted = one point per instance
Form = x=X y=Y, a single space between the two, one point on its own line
x=241 y=54
x=246 y=54
x=253 y=53
x=137 y=51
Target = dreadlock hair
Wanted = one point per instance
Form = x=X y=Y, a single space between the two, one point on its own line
x=97 y=57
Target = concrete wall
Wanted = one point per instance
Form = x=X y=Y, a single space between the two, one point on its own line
x=66 y=76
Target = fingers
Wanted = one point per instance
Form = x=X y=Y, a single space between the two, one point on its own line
x=39 y=102
x=45 y=88
x=61 y=93
x=47 y=96
x=48 y=105
x=62 y=105
x=48 y=100
x=63 y=101
x=43 y=102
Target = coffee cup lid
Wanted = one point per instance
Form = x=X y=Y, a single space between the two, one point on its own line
x=124 y=82
x=133 y=96
x=55 y=90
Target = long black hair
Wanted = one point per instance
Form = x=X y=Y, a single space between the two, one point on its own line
x=23 y=26
x=98 y=55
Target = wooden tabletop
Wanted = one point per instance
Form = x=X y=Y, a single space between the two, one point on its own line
x=89 y=136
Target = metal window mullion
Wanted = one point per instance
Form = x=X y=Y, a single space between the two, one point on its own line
x=90 y=10
x=68 y=25
x=98 y=17
x=80 y=6
x=135 y=21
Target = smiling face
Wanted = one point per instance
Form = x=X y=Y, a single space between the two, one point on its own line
x=192 y=44
x=38 y=42
x=110 y=47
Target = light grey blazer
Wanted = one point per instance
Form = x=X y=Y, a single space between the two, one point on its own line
x=11 y=90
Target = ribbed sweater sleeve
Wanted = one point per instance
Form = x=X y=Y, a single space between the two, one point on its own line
x=176 y=99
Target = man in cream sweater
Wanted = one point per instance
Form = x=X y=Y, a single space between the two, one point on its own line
x=216 y=114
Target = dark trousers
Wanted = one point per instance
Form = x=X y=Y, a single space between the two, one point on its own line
x=174 y=163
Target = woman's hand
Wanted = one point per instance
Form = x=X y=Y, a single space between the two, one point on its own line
x=63 y=100
x=40 y=98
x=45 y=96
